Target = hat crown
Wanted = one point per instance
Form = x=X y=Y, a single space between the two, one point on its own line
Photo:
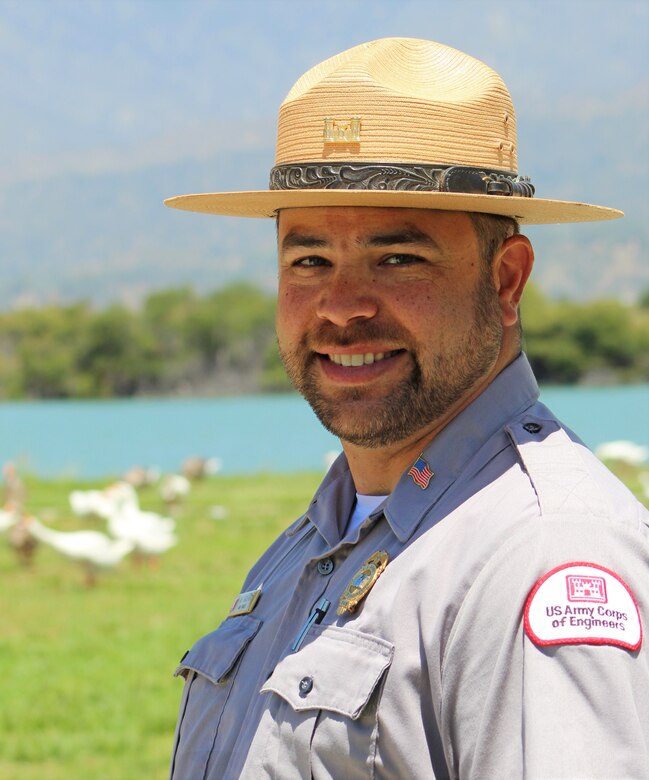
x=414 y=101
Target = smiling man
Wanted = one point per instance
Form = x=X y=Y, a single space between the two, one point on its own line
x=389 y=324
x=466 y=593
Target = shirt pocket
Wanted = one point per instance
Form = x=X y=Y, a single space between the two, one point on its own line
x=209 y=669
x=333 y=688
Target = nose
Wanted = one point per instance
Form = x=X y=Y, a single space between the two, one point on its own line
x=346 y=298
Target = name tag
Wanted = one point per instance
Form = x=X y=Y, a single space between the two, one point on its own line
x=245 y=603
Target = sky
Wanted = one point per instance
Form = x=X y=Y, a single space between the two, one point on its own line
x=110 y=87
x=90 y=84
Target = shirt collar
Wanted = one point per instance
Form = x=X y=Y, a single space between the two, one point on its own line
x=333 y=501
x=511 y=392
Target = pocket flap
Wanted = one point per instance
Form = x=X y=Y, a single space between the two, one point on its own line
x=339 y=666
x=215 y=655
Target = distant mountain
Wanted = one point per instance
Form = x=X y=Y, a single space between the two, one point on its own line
x=110 y=107
x=106 y=236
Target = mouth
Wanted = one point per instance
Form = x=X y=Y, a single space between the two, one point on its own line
x=358 y=359
x=360 y=367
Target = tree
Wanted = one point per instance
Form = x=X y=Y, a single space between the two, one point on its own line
x=116 y=356
x=41 y=344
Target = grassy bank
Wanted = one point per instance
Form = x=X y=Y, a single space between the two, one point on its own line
x=86 y=688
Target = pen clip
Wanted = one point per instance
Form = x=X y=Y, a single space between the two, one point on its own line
x=314 y=618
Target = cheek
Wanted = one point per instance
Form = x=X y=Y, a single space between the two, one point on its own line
x=422 y=311
x=292 y=312
x=435 y=317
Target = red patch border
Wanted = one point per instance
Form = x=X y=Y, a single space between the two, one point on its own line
x=580 y=640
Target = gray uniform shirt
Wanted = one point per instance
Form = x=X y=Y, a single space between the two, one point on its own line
x=433 y=675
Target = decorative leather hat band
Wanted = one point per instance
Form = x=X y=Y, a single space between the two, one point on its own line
x=388 y=176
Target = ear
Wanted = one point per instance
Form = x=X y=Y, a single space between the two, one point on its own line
x=512 y=266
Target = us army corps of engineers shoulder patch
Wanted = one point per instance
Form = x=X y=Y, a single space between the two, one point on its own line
x=582 y=603
x=362 y=582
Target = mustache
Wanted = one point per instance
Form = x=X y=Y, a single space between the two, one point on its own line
x=334 y=336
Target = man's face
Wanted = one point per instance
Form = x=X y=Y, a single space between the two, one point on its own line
x=387 y=318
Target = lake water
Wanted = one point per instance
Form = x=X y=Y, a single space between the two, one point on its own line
x=97 y=439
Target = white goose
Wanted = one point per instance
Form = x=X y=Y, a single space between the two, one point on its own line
x=92 y=549
x=89 y=502
x=103 y=503
x=174 y=488
x=126 y=506
x=151 y=546
x=146 y=531
x=8 y=517
x=150 y=533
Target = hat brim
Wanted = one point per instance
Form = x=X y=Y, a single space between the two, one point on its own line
x=266 y=203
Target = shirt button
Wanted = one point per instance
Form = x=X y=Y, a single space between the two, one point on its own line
x=532 y=427
x=305 y=686
x=325 y=566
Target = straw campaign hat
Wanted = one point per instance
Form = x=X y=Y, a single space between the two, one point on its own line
x=398 y=122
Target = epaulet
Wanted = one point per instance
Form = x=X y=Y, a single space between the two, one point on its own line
x=557 y=468
x=297 y=526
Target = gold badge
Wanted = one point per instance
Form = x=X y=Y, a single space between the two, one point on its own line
x=245 y=603
x=341 y=131
x=362 y=582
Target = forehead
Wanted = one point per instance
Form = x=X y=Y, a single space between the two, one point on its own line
x=448 y=229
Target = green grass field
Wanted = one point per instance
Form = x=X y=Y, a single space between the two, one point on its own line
x=86 y=690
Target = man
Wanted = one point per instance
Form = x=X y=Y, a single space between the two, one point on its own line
x=465 y=595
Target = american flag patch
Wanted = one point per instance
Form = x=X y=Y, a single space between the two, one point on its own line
x=421 y=473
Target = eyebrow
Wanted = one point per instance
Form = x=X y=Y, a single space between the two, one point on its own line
x=295 y=239
x=407 y=235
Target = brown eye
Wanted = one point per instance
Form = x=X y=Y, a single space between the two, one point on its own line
x=402 y=259
x=312 y=261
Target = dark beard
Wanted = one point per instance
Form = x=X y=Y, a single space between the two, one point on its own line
x=417 y=400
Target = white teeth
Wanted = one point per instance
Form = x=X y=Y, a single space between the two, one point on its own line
x=359 y=359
